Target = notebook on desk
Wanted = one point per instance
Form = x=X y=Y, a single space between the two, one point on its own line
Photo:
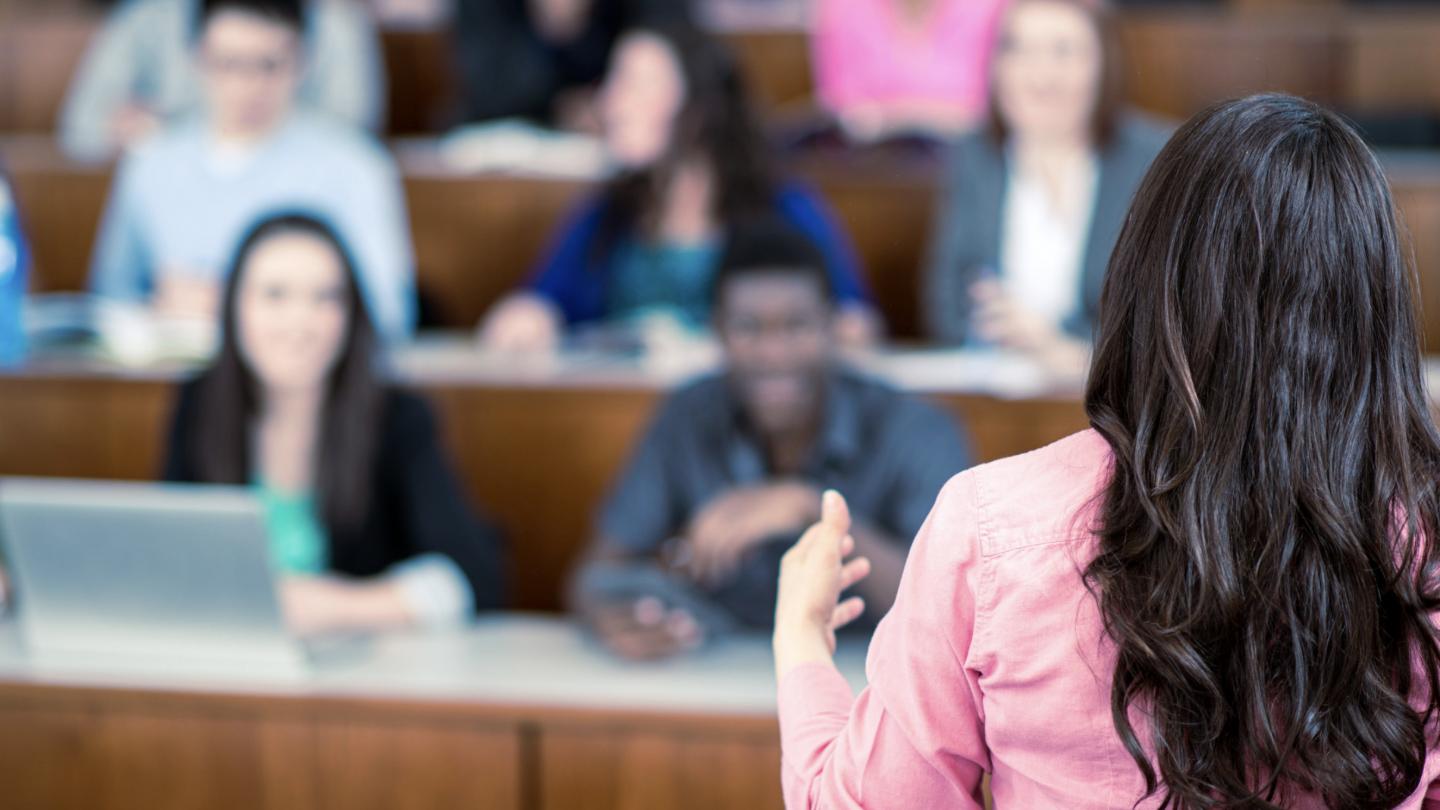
x=124 y=576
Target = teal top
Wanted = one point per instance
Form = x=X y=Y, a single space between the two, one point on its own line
x=298 y=544
x=661 y=277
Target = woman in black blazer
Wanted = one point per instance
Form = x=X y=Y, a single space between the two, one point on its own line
x=368 y=525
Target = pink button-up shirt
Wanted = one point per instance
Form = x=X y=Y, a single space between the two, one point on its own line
x=993 y=659
x=866 y=53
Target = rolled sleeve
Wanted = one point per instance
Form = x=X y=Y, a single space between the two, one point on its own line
x=434 y=589
x=915 y=736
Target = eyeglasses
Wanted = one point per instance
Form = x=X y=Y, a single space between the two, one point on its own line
x=798 y=327
x=221 y=66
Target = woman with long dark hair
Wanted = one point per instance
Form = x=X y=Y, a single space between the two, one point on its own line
x=692 y=162
x=366 y=520
x=1222 y=595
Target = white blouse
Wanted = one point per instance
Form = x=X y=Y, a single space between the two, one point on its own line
x=1042 y=252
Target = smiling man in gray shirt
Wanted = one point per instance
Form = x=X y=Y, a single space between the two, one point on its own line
x=732 y=468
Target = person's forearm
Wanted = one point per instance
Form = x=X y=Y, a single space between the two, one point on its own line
x=887 y=563
x=796 y=646
x=379 y=605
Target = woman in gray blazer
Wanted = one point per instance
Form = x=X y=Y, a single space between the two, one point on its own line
x=1034 y=201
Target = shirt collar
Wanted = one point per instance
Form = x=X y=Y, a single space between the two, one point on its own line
x=838 y=442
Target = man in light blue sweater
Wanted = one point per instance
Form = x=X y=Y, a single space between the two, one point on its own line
x=138 y=73
x=183 y=199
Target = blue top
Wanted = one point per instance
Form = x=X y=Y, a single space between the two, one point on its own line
x=181 y=204
x=583 y=284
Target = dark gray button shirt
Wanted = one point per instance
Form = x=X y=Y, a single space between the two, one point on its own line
x=888 y=453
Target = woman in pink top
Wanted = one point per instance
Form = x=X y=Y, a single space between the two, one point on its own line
x=1219 y=597
x=896 y=67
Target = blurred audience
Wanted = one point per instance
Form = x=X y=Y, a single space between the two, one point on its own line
x=542 y=60
x=138 y=74
x=1035 y=200
x=14 y=277
x=181 y=201
x=893 y=68
x=366 y=518
x=732 y=468
x=692 y=161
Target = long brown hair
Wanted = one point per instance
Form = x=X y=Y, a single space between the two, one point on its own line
x=716 y=123
x=229 y=395
x=1264 y=566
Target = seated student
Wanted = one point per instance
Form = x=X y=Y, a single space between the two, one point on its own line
x=1035 y=201
x=180 y=202
x=903 y=67
x=733 y=465
x=365 y=515
x=551 y=54
x=694 y=161
x=137 y=75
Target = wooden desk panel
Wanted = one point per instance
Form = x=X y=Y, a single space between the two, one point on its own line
x=424 y=721
x=62 y=750
x=599 y=769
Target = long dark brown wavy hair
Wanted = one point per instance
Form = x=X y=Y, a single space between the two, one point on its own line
x=716 y=123
x=1264 y=566
x=229 y=394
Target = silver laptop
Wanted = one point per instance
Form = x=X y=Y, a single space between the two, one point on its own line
x=147 y=576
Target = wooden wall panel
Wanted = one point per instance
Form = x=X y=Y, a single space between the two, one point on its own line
x=1178 y=65
x=1420 y=214
x=61 y=206
x=474 y=242
x=1391 y=62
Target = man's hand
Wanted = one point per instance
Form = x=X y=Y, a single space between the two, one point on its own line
x=740 y=519
x=643 y=629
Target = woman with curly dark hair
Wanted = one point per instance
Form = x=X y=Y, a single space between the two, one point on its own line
x=1221 y=596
